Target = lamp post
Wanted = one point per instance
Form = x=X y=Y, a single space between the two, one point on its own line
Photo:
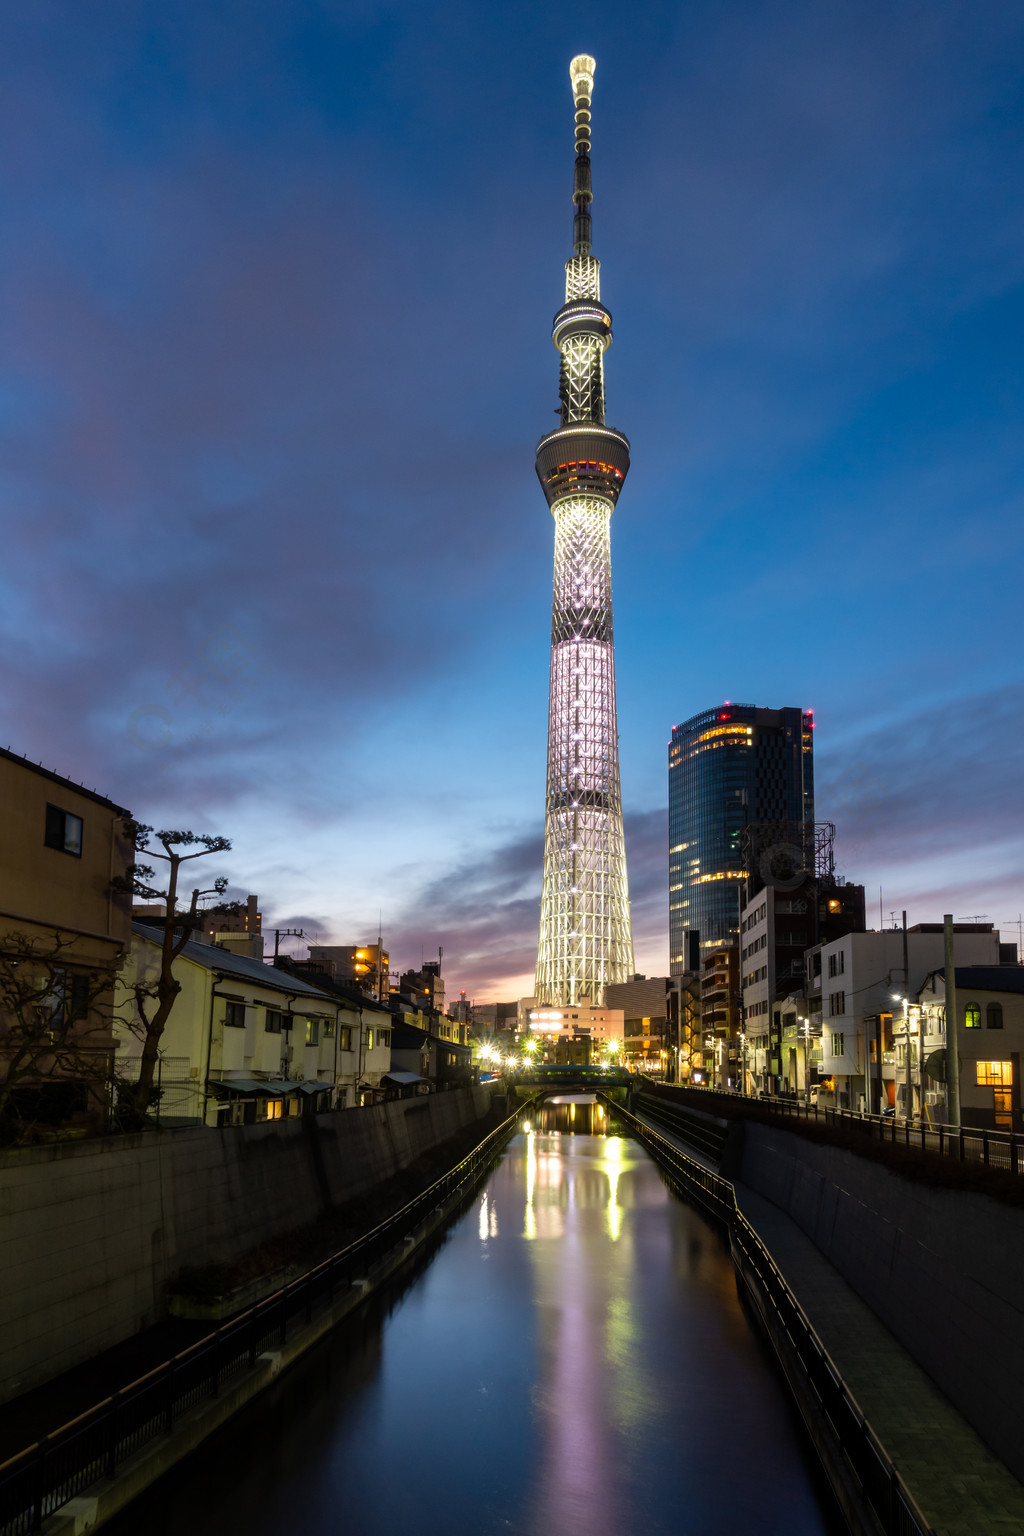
x=908 y=1102
x=743 y=1063
x=807 y=1060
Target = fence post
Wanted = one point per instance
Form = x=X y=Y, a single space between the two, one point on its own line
x=40 y=1487
x=112 y=1435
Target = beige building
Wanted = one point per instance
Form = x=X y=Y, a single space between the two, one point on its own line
x=561 y=1031
x=246 y=1041
x=61 y=845
x=990 y=1040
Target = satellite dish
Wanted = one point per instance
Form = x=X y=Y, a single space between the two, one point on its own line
x=935 y=1065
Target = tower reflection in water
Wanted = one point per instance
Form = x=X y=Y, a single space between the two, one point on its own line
x=578 y=1179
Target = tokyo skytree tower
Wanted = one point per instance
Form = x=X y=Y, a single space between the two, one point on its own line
x=585 y=938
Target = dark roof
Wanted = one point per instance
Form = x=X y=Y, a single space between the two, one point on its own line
x=243 y=966
x=986 y=978
x=56 y=778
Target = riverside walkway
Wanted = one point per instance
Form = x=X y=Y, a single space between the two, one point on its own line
x=959 y=1485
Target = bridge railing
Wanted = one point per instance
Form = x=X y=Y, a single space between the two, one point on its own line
x=891 y=1501
x=965 y=1143
x=37 y=1481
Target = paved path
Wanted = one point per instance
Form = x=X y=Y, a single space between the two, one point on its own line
x=960 y=1486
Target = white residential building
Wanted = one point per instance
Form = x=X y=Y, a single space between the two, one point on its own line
x=862 y=975
x=990 y=1041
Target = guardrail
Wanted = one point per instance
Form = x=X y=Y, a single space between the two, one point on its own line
x=37 y=1481
x=963 y=1143
x=890 y=1499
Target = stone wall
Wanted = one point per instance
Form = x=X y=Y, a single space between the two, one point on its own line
x=92 y=1232
x=944 y=1270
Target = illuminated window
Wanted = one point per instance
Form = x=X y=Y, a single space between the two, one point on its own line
x=312 y=1031
x=994 y=1074
x=994 y=1015
x=275 y=1109
x=972 y=1016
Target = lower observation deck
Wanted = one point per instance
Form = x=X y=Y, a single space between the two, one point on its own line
x=583 y=459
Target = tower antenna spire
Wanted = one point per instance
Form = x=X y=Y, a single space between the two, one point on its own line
x=581 y=73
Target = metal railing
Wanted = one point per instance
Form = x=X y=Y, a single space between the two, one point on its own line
x=891 y=1501
x=963 y=1143
x=37 y=1481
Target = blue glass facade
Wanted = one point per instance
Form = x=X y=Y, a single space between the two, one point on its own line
x=727 y=767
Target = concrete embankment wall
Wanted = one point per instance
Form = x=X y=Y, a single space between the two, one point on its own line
x=944 y=1270
x=93 y=1232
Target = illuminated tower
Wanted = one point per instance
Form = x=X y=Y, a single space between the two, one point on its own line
x=585 y=938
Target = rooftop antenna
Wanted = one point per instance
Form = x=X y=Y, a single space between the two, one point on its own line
x=1018 y=923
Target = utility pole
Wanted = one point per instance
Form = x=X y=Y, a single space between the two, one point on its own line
x=952 y=1051
x=908 y=1107
x=286 y=933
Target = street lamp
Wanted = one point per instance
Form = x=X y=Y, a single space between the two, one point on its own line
x=906 y=1048
x=807 y=1060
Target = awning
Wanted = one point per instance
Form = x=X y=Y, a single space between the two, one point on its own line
x=313 y=1087
x=275 y=1089
x=403 y=1078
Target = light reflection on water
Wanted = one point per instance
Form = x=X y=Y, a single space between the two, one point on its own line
x=573 y=1360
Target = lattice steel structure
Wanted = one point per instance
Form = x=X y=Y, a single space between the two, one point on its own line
x=585 y=938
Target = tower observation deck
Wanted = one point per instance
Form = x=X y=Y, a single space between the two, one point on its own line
x=585 y=938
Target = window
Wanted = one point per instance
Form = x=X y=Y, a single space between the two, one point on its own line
x=838 y=1043
x=275 y=1109
x=234 y=1015
x=383 y=1037
x=972 y=1016
x=837 y=964
x=63 y=831
x=836 y=1003
x=994 y=1074
x=273 y=1022
x=312 y=1031
x=345 y=1037
x=369 y=1039
x=328 y=1028
x=994 y=1015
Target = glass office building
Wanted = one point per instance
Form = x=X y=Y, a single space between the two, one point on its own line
x=727 y=767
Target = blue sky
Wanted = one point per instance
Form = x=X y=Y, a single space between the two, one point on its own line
x=275 y=291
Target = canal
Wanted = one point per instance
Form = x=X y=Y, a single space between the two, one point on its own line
x=572 y=1358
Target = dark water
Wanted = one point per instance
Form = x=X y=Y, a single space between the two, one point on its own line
x=572 y=1359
